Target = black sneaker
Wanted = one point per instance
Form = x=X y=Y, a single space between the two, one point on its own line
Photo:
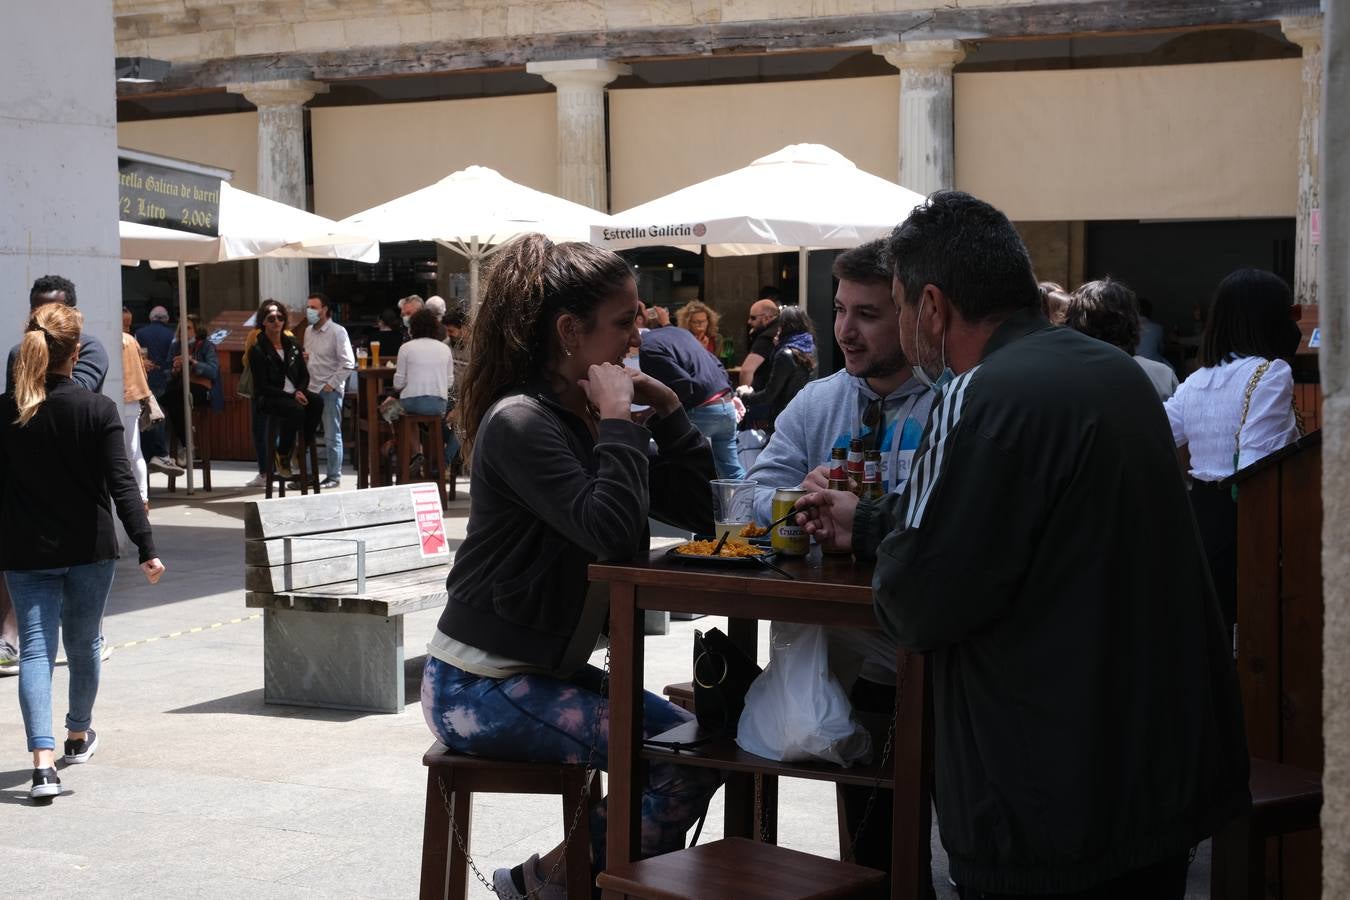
x=80 y=751
x=46 y=783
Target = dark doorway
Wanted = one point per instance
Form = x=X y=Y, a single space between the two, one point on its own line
x=1177 y=265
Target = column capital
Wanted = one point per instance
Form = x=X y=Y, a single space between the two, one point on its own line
x=921 y=54
x=1306 y=31
x=578 y=72
x=293 y=92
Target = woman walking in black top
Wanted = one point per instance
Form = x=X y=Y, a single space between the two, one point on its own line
x=281 y=383
x=62 y=466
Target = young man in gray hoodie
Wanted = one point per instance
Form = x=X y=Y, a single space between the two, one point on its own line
x=874 y=397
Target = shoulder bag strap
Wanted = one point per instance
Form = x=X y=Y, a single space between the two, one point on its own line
x=1246 y=407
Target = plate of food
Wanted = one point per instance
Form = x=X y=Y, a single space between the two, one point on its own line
x=736 y=552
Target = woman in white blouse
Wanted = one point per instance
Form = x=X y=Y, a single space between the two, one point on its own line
x=1236 y=409
x=426 y=368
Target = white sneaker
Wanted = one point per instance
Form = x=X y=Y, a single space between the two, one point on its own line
x=165 y=466
x=506 y=888
x=259 y=480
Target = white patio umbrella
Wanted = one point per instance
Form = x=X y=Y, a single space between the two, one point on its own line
x=804 y=197
x=472 y=212
x=249 y=227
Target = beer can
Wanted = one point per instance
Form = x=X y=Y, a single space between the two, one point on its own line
x=788 y=538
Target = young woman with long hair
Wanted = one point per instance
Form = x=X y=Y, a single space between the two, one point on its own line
x=258 y=422
x=63 y=467
x=281 y=384
x=561 y=477
x=1236 y=408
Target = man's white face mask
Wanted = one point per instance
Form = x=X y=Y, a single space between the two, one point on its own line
x=945 y=373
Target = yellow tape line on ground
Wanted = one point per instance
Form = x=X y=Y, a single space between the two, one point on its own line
x=61 y=661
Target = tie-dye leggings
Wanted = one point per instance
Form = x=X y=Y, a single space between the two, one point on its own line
x=538 y=718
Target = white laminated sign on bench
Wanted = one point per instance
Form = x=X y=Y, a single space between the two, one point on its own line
x=334 y=573
x=426 y=501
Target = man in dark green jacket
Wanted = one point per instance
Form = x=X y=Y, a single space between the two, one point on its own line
x=1044 y=555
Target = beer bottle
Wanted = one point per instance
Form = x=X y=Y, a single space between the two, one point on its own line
x=871 y=481
x=839 y=469
x=838 y=482
x=855 y=465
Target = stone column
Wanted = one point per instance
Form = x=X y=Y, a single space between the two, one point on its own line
x=1334 y=320
x=927 y=138
x=1306 y=31
x=281 y=172
x=582 y=174
x=58 y=125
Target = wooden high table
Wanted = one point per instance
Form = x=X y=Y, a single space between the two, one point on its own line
x=371 y=382
x=828 y=591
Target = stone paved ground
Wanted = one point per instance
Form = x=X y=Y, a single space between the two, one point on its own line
x=199 y=789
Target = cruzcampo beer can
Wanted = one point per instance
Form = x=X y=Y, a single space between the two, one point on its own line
x=788 y=538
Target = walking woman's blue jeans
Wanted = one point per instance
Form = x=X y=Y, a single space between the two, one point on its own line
x=538 y=718
x=71 y=599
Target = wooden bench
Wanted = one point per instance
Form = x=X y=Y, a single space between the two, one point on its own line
x=334 y=574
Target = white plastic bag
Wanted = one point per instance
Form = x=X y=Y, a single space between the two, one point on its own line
x=796 y=709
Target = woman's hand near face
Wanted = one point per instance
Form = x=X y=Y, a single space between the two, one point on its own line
x=647 y=391
x=609 y=388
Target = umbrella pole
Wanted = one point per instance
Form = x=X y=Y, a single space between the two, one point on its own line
x=185 y=352
x=474 y=255
x=803 y=259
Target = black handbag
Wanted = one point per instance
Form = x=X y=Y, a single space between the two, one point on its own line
x=722 y=675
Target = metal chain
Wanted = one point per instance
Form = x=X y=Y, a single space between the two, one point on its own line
x=582 y=805
x=885 y=755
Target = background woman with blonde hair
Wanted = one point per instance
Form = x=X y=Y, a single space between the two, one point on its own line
x=62 y=467
x=699 y=319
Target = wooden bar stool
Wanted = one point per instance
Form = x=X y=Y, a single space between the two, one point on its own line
x=309 y=461
x=433 y=450
x=740 y=868
x=453 y=779
x=201 y=448
x=1284 y=800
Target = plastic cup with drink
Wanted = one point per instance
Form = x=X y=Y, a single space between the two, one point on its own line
x=733 y=505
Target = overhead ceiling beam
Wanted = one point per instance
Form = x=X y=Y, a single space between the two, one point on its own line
x=1039 y=20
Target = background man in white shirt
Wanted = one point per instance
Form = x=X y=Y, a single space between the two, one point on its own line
x=328 y=353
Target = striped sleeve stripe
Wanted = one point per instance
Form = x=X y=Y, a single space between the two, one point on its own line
x=929 y=468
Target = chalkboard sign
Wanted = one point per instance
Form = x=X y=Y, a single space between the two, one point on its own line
x=169 y=198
